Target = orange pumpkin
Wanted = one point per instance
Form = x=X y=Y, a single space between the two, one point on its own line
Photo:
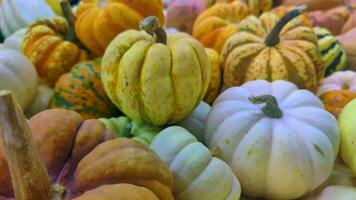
x=116 y=161
x=216 y=24
x=335 y=101
x=49 y=45
x=99 y=22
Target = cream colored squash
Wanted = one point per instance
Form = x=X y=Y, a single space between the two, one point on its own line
x=279 y=140
x=17 y=14
x=197 y=174
x=18 y=75
x=338 y=81
x=42 y=100
x=338 y=193
x=195 y=122
x=14 y=41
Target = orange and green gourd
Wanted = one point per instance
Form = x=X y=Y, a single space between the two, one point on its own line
x=81 y=90
x=49 y=44
x=98 y=22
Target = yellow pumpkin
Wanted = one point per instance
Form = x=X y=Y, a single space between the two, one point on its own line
x=256 y=6
x=273 y=48
x=152 y=79
x=98 y=22
x=216 y=24
x=215 y=77
x=49 y=45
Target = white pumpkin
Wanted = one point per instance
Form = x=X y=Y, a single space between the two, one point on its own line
x=197 y=174
x=17 y=14
x=14 y=41
x=280 y=149
x=195 y=122
x=338 y=81
x=338 y=193
x=18 y=75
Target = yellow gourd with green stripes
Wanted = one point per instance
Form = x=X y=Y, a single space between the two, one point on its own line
x=333 y=54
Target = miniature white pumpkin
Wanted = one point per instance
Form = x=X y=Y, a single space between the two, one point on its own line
x=338 y=81
x=18 y=75
x=197 y=174
x=17 y=14
x=338 y=193
x=195 y=122
x=281 y=149
x=14 y=41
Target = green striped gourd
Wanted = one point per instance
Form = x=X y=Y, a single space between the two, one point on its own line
x=333 y=54
x=81 y=90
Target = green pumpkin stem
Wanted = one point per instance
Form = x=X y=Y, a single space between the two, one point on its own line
x=152 y=26
x=29 y=176
x=273 y=37
x=271 y=108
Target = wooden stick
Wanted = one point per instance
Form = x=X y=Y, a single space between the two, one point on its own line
x=29 y=176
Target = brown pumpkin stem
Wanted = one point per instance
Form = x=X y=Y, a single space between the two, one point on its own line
x=273 y=37
x=152 y=26
x=271 y=108
x=29 y=176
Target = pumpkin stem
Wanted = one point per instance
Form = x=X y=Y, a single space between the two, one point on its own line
x=273 y=37
x=68 y=14
x=28 y=174
x=152 y=26
x=271 y=108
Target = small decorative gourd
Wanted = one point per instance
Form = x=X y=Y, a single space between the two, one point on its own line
x=273 y=48
x=216 y=76
x=154 y=79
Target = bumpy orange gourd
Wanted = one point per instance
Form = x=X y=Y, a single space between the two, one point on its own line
x=99 y=22
x=273 y=48
x=215 y=76
x=334 y=101
x=216 y=24
x=52 y=55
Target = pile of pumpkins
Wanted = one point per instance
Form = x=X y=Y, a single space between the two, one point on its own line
x=179 y=99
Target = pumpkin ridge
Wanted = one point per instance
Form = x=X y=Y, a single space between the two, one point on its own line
x=44 y=57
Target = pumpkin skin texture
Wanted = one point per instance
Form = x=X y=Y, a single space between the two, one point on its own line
x=335 y=101
x=333 y=54
x=19 y=76
x=338 y=192
x=62 y=138
x=14 y=41
x=124 y=160
x=215 y=78
x=195 y=122
x=195 y=171
x=216 y=24
x=152 y=82
x=252 y=53
x=348 y=134
x=98 y=23
x=81 y=90
x=344 y=80
x=118 y=191
x=255 y=6
x=280 y=150
x=17 y=14
x=44 y=45
x=181 y=14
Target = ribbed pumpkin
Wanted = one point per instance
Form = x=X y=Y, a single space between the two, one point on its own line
x=73 y=152
x=335 y=101
x=154 y=80
x=273 y=48
x=256 y=6
x=81 y=90
x=333 y=54
x=48 y=44
x=216 y=24
x=215 y=78
x=98 y=22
